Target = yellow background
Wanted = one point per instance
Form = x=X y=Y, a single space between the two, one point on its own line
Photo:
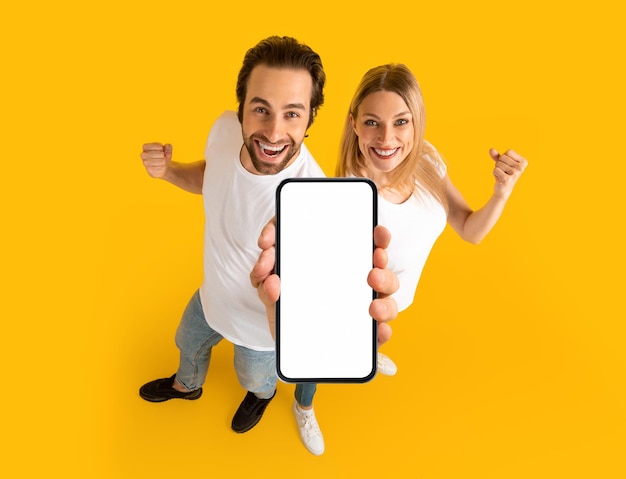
x=511 y=360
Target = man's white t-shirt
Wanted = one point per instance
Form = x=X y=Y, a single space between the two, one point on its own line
x=237 y=205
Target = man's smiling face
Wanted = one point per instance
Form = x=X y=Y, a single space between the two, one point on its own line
x=275 y=118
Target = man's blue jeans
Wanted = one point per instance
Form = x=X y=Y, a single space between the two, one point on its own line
x=256 y=370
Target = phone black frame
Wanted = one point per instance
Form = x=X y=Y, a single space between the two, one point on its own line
x=277 y=328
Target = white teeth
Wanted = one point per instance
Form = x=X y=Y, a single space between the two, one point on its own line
x=263 y=146
x=385 y=152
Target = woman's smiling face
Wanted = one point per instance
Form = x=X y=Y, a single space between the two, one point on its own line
x=384 y=126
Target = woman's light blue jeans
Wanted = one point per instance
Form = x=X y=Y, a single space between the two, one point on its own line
x=256 y=370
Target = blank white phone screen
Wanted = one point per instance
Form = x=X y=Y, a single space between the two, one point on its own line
x=324 y=332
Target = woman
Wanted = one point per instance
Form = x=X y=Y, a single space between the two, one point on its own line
x=383 y=139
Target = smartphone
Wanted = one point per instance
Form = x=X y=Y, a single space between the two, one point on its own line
x=324 y=247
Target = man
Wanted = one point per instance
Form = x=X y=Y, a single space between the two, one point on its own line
x=279 y=89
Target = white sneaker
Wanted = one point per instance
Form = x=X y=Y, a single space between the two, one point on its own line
x=386 y=366
x=309 y=429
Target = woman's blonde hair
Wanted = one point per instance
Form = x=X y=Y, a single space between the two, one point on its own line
x=422 y=169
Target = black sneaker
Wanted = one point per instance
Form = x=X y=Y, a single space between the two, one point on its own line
x=250 y=412
x=161 y=390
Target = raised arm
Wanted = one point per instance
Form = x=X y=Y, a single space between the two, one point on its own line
x=471 y=225
x=157 y=159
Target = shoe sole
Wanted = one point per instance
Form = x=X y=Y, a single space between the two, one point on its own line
x=162 y=399
x=241 y=431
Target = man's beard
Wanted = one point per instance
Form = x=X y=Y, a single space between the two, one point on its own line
x=268 y=168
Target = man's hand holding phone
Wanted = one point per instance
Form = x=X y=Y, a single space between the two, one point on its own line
x=383 y=309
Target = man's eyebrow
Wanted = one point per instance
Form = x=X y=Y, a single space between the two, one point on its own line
x=258 y=99
x=297 y=106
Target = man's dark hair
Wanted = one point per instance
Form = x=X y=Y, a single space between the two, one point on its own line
x=283 y=52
